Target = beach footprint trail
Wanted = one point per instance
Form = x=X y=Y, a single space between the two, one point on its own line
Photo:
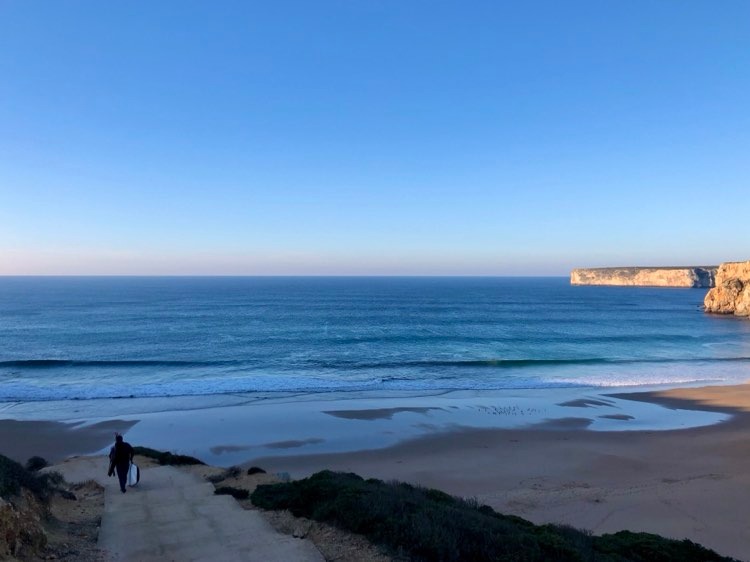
x=174 y=515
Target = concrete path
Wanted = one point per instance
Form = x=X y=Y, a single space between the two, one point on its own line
x=174 y=516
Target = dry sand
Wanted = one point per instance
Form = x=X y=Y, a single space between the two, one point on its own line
x=692 y=483
x=73 y=527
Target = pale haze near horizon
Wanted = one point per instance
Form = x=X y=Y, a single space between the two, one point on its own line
x=372 y=138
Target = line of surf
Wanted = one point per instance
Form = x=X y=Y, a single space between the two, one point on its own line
x=57 y=363
x=518 y=363
x=356 y=365
x=27 y=393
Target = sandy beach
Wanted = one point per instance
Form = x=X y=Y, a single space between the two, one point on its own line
x=692 y=483
x=56 y=440
x=681 y=483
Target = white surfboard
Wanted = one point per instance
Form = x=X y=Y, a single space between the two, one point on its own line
x=134 y=474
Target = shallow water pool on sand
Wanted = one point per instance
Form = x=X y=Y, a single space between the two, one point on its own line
x=227 y=430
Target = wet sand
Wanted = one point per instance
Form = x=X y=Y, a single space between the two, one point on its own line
x=228 y=430
x=55 y=441
x=375 y=413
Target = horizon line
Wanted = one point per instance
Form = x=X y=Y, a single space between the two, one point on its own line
x=211 y=275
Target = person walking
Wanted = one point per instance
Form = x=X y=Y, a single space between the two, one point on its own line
x=120 y=457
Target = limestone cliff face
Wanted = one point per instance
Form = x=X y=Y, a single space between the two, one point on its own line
x=646 y=276
x=731 y=295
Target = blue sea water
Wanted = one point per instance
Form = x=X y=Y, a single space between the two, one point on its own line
x=111 y=337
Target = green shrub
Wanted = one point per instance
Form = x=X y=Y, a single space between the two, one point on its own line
x=14 y=477
x=36 y=463
x=236 y=493
x=424 y=524
x=166 y=458
x=645 y=547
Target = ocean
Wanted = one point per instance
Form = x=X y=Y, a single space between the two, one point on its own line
x=79 y=338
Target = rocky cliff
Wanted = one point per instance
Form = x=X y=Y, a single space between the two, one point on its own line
x=731 y=294
x=21 y=532
x=646 y=276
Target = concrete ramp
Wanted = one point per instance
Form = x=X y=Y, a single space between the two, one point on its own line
x=174 y=516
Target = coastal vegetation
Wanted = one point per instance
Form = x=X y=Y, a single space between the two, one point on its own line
x=43 y=517
x=14 y=478
x=426 y=524
x=236 y=493
x=167 y=458
x=36 y=463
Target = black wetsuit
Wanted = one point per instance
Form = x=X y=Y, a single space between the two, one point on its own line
x=122 y=455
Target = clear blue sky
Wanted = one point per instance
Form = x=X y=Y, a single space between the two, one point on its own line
x=372 y=136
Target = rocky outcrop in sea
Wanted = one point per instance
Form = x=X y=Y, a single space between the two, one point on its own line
x=731 y=294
